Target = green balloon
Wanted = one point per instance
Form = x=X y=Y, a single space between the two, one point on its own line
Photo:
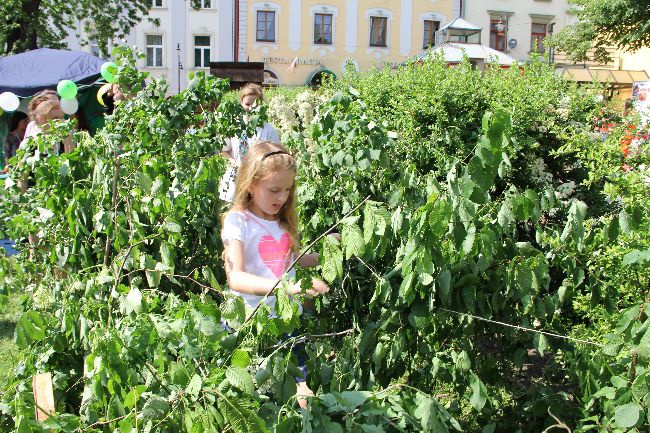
x=109 y=69
x=67 y=89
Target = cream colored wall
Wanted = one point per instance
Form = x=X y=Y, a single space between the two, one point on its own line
x=295 y=27
x=638 y=61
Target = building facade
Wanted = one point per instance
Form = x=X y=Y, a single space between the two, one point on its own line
x=517 y=27
x=185 y=40
x=299 y=41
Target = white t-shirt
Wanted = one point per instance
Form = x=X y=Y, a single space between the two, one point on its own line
x=234 y=144
x=267 y=249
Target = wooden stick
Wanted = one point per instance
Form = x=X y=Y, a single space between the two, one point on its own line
x=43 y=395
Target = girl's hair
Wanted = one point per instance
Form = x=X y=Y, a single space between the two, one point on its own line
x=38 y=99
x=260 y=162
x=42 y=110
x=251 y=89
x=15 y=120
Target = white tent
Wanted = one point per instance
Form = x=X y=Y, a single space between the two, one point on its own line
x=453 y=52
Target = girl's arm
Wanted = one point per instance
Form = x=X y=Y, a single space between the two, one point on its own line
x=244 y=282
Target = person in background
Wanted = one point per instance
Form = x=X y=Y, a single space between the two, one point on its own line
x=236 y=147
x=17 y=127
x=37 y=99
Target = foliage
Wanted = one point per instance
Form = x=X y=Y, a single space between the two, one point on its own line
x=465 y=294
x=605 y=23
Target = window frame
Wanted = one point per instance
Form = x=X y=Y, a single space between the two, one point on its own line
x=432 y=37
x=257 y=25
x=323 y=15
x=536 y=36
x=203 y=49
x=385 y=31
x=503 y=35
x=154 y=5
x=154 y=48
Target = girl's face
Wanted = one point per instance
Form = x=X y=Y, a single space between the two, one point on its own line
x=271 y=193
x=248 y=102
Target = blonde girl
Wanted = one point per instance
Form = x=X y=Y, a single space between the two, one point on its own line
x=236 y=147
x=260 y=231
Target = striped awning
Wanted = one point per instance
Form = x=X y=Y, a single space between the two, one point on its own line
x=613 y=76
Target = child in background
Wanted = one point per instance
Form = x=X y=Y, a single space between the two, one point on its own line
x=236 y=147
x=260 y=232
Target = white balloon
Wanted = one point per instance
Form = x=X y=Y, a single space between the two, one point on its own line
x=69 y=106
x=9 y=101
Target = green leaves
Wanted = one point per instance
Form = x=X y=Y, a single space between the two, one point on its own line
x=31 y=327
x=479 y=393
x=241 y=379
x=627 y=415
x=331 y=259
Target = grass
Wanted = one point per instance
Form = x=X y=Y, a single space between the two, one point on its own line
x=9 y=315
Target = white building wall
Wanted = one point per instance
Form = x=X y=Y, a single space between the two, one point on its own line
x=519 y=15
x=179 y=23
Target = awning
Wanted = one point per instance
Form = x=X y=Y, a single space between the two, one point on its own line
x=616 y=77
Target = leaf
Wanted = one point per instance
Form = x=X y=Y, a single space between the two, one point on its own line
x=194 y=386
x=65 y=422
x=627 y=415
x=636 y=257
x=468 y=243
x=240 y=358
x=132 y=303
x=332 y=260
x=353 y=399
x=541 y=343
x=241 y=379
x=239 y=416
x=30 y=328
x=352 y=241
x=154 y=409
x=479 y=393
x=444 y=287
x=643 y=349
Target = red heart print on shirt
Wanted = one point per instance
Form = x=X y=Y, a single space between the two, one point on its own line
x=274 y=253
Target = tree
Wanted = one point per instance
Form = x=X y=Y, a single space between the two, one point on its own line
x=624 y=24
x=30 y=24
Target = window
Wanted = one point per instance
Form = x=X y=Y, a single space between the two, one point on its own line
x=430 y=29
x=156 y=3
x=498 y=35
x=323 y=29
x=206 y=4
x=201 y=51
x=154 y=50
x=537 y=35
x=378 y=29
x=265 y=26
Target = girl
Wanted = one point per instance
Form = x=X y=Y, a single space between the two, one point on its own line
x=17 y=126
x=260 y=232
x=236 y=147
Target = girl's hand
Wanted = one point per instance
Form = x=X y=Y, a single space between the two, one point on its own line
x=336 y=236
x=318 y=288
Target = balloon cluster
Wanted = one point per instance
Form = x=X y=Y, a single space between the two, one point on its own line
x=67 y=90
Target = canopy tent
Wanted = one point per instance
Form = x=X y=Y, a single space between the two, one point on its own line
x=28 y=73
x=453 y=52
